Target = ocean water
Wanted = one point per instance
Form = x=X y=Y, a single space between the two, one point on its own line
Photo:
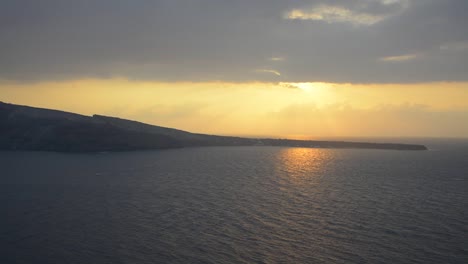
x=236 y=205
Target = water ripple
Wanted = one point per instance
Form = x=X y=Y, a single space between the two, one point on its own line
x=235 y=205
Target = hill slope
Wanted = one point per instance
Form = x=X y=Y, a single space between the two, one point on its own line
x=30 y=128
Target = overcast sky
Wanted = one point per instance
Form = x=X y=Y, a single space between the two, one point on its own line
x=357 y=67
x=354 y=41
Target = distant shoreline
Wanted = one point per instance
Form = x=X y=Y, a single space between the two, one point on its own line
x=38 y=129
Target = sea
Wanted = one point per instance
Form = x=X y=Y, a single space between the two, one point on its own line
x=237 y=205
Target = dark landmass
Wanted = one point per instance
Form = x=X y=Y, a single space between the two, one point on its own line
x=38 y=129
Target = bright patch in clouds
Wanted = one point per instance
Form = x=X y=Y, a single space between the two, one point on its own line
x=401 y=58
x=310 y=87
x=276 y=59
x=358 y=16
x=334 y=14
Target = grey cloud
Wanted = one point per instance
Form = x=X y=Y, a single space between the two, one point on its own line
x=202 y=40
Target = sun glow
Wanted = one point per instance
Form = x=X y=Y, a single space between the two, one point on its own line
x=320 y=93
x=304 y=165
x=311 y=87
x=306 y=87
x=300 y=110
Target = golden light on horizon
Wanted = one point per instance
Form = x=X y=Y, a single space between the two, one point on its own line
x=318 y=90
x=306 y=87
x=298 y=110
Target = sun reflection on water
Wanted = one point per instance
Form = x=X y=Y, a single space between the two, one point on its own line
x=303 y=165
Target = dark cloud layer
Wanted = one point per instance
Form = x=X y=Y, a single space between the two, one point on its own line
x=363 y=41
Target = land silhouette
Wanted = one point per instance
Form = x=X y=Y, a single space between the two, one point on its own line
x=37 y=129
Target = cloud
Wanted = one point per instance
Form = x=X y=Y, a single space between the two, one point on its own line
x=277 y=59
x=277 y=73
x=400 y=58
x=182 y=40
x=455 y=46
x=360 y=13
x=288 y=85
x=334 y=14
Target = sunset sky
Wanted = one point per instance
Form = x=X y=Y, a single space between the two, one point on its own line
x=299 y=69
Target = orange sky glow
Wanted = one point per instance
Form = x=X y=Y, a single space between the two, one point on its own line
x=294 y=110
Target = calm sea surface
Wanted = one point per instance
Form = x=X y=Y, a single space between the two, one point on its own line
x=236 y=205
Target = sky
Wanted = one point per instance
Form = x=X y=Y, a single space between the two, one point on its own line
x=283 y=68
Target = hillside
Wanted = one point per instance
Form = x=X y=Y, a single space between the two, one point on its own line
x=38 y=129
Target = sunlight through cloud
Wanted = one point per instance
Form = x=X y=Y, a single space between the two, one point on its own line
x=362 y=13
x=334 y=14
